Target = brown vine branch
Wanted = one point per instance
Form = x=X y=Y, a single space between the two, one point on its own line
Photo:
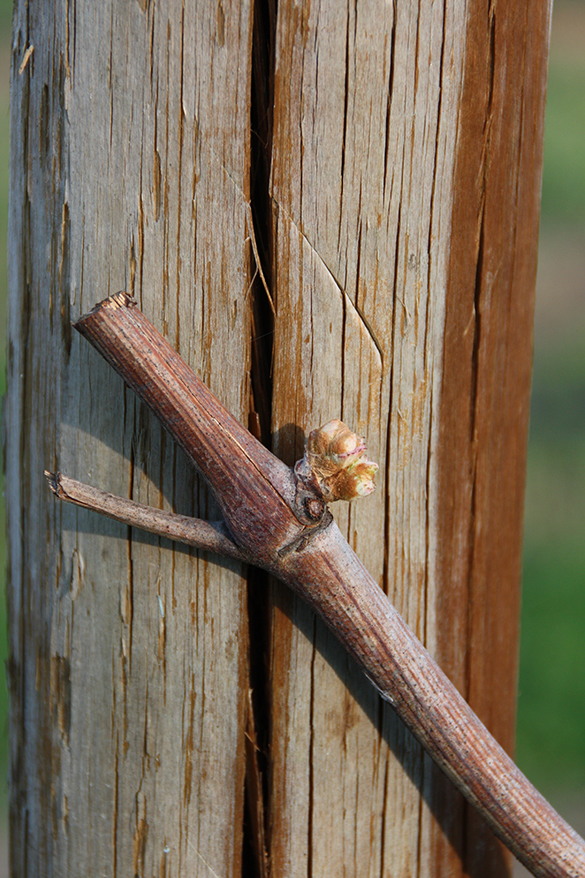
x=282 y=524
x=212 y=536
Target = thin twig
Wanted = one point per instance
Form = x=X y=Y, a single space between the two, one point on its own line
x=265 y=513
x=250 y=220
x=212 y=536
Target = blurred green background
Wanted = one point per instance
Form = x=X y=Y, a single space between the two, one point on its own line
x=5 y=19
x=551 y=706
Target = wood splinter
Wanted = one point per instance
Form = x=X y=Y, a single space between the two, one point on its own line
x=278 y=519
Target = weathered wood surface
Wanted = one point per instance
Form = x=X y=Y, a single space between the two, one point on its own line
x=401 y=211
x=130 y=168
x=405 y=179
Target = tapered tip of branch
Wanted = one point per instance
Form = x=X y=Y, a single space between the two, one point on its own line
x=54 y=480
x=121 y=299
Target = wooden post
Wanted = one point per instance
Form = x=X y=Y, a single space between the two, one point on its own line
x=394 y=178
x=405 y=182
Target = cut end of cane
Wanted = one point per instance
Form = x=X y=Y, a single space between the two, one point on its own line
x=337 y=458
x=54 y=480
x=121 y=299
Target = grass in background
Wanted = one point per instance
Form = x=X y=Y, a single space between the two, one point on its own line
x=563 y=185
x=551 y=706
x=5 y=20
x=551 y=723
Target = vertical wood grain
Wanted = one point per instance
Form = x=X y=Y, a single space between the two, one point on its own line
x=130 y=169
x=387 y=120
x=404 y=146
x=481 y=450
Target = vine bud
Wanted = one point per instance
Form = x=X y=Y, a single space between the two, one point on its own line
x=338 y=461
